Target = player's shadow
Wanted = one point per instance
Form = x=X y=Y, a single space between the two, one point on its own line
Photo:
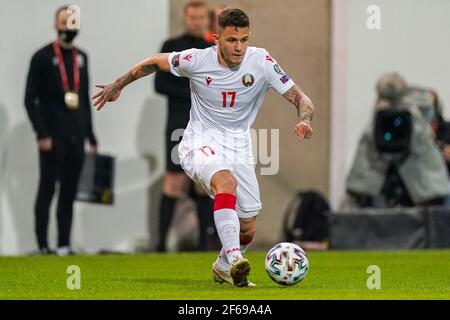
x=3 y=126
x=19 y=180
x=3 y=132
x=169 y=281
x=150 y=143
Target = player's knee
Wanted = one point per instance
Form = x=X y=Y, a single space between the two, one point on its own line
x=175 y=185
x=173 y=191
x=224 y=182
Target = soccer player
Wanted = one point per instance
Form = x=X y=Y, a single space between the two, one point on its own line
x=228 y=85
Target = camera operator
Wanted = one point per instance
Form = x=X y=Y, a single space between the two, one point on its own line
x=441 y=130
x=398 y=162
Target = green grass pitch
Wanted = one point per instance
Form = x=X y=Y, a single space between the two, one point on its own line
x=332 y=275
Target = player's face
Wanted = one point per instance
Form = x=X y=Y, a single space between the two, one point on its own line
x=196 y=21
x=233 y=43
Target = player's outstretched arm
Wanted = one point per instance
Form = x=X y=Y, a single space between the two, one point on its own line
x=111 y=92
x=305 y=110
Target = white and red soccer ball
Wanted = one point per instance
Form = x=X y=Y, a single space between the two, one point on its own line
x=286 y=264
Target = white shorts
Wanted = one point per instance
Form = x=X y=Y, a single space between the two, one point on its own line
x=201 y=163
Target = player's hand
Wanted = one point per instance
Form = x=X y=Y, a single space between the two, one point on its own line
x=110 y=92
x=303 y=130
x=45 y=144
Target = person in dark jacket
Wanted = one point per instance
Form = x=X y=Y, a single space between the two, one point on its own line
x=58 y=105
x=176 y=183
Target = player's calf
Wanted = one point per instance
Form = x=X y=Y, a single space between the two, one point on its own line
x=247 y=232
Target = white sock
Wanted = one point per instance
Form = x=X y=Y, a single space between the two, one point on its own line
x=227 y=225
x=244 y=248
x=222 y=261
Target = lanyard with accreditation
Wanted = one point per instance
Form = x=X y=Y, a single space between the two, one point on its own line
x=71 y=97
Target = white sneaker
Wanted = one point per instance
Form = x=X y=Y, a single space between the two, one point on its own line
x=221 y=276
x=239 y=272
x=64 y=251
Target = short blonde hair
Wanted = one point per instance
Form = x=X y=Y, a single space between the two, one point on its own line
x=194 y=4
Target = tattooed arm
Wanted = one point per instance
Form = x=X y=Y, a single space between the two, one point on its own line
x=305 y=111
x=111 y=92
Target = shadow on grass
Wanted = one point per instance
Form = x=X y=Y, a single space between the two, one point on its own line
x=167 y=281
x=205 y=283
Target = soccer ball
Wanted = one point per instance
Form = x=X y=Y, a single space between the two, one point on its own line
x=287 y=264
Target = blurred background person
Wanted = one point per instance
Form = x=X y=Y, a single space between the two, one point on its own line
x=176 y=183
x=57 y=102
x=213 y=22
x=441 y=129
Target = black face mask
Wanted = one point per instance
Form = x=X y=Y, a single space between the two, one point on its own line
x=67 y=35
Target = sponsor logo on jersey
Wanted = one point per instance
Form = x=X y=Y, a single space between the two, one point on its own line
x=278 y=70
x=284 y=79
x=269 y=58
x=188 y=57
x=208 y=80
x=248 y=80
x=176 y=60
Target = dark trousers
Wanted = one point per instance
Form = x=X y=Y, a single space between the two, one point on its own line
x=62 y=164
x=204 y=214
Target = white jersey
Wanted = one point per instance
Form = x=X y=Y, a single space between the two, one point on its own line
x=225 y=101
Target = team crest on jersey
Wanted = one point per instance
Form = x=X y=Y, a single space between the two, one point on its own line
x=248 y=80
x=188 y=57
x=278 y=70
x=176 y=60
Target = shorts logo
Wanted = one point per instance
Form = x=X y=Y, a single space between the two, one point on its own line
x=207 y=151
x=278 y=70
x=284 y=79
x=248 y=80
x=188 y=57
x=176 y=61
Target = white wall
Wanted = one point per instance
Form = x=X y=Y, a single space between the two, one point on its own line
x=414 y=40
x=116 y=34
